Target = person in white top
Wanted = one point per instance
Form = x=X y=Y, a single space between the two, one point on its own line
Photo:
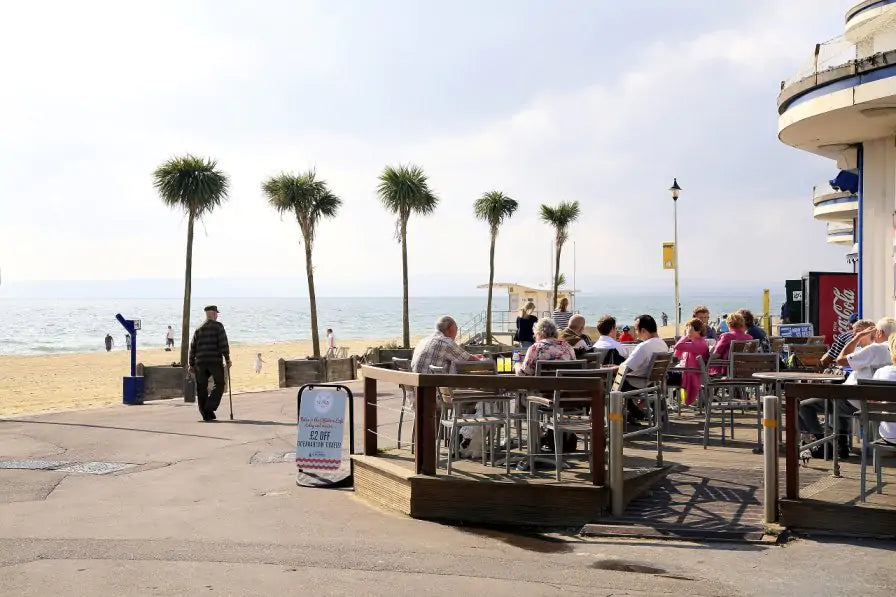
x=331 y=340
x=868 y=351
x=258 y=363
x=606 y=327
x=638 y=362
x=887 y=429
x=169 y=339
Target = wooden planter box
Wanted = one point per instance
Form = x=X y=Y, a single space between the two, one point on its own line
x=298 y=372
x=385 y=355
x=161 y=381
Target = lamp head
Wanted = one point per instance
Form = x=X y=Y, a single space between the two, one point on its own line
x=675 y=189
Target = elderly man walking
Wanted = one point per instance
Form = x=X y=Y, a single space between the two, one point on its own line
x=208 y=348
x=440 y=349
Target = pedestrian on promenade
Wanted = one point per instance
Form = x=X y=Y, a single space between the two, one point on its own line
x=109 y=342
x=208 y=348
x=561 y=316
x=169 y=339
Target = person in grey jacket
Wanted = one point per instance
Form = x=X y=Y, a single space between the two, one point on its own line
x=208 y=348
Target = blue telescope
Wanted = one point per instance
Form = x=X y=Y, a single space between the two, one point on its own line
x=132 y=386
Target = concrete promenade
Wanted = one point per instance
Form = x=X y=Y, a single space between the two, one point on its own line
x=191 y=508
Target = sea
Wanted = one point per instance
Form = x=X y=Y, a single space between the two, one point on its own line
x=46 y=326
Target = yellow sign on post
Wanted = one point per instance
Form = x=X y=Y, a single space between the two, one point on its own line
x=668 y=255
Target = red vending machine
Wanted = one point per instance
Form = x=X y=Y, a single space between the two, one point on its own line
x=830 y=298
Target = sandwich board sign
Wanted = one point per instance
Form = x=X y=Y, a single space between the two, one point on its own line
x=321 y=457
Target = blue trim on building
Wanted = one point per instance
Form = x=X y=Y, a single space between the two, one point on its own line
x=861 y=164
x=826 y=202
x=851 y=15
x=840 y=84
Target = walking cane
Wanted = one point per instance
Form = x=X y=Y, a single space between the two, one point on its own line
x=229 y=392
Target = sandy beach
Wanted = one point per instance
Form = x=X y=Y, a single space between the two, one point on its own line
x=42 y=383
x=53 y=382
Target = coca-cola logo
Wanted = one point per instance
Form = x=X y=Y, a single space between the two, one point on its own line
x=844 y=305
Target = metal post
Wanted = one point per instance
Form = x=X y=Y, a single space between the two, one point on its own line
x=617 y=404
x=675 y=249
x=770 y=456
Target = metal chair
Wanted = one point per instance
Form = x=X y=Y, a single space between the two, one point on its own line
x=454 y=415
x=568 y=412
x=596 y=357
x=872 y=413
x=807 y=357
x=403 y=365
x=737 y=391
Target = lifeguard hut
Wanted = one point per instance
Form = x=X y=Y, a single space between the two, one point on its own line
x=504 y=318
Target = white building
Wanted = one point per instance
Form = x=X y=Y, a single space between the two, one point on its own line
x=842 y=105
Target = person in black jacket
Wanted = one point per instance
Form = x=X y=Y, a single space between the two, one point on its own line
x=208 y=347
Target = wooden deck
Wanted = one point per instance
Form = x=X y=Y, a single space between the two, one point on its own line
x=715 y=492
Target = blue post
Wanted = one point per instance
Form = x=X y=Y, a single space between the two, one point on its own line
x=860 y=225
x=132 y=387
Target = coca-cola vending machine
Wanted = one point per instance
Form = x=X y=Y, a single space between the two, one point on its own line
x=830 y=298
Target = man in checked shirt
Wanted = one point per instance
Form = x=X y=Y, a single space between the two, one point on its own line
x=440 y=349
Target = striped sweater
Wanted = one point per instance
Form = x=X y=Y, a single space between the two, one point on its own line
x=209 y=344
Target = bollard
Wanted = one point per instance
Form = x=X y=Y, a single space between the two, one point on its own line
x=770 y=455
x=617 y=480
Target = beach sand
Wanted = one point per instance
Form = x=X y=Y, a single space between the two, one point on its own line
x=52 y=382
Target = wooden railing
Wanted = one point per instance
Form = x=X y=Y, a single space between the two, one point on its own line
x=794 y=392
x=426 y=419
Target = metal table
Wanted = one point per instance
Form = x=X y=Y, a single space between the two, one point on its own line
x=796 y=376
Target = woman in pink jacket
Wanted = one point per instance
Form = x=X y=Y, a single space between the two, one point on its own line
x=738 y=326
x=687 y=349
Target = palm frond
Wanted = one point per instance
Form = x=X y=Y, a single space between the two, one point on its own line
x=404 y=190
x=192 y=183
x=560 y=217
x=303 y=195
x=494 y=207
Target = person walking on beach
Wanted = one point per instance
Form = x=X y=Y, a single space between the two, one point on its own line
x=127 y=341
x=169 y=339
x=258 y=363
x=331 y=343
x=109 y=342
x=208 y=347
x=665 y=319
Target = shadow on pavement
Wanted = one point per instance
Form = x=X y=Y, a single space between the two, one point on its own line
x=89 y=426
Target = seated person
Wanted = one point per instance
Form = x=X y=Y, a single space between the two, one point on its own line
x=754 y=330
x=735 y=322
x=638 y=362
x=687 y=349
x=840 y=341
x=701 y=312
x=617 y=352
x=626 y=335
x=867 y=352
x=440 y=349
x=575 y=335
x=887 y=429
x=547 y=347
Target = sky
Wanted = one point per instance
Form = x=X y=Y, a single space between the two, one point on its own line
x=598 y=102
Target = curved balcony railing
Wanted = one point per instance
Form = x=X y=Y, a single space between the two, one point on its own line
x=840 y=233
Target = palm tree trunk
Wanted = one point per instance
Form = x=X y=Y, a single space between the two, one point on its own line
x=188 y=290
x=405 y=321
x=312 y=299
x=491 y=280
x=557 y=277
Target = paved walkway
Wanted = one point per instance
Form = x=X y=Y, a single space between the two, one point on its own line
x=185 y=507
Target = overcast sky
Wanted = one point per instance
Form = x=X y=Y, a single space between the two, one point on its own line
x=597 y=101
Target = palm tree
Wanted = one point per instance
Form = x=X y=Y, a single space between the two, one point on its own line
x=196 y=186
x=560 y=218
x=493 y=208
x=310 y=200
x=404 y=190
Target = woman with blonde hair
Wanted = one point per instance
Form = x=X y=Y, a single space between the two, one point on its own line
x=525 y=323
x=737 y=325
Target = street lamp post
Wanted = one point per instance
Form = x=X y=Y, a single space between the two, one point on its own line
x=675 y=190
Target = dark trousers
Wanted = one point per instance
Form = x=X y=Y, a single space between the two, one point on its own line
x=634 y=412
x=810 y=409
x=208 y=403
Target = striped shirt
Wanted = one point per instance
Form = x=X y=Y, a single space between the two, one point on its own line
x=561 y=318
x=209 y=344
x=839 y=343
